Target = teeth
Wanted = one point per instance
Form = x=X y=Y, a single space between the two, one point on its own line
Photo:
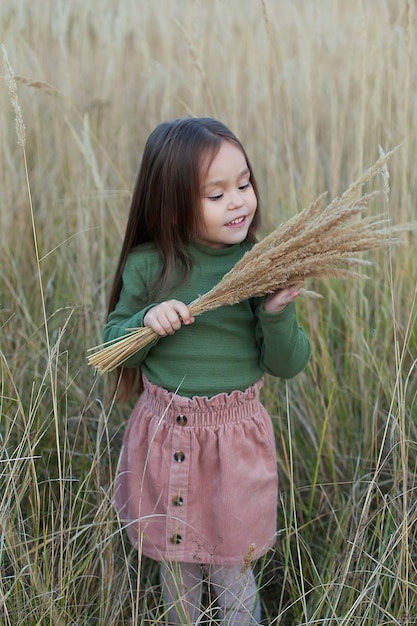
x=237 y=220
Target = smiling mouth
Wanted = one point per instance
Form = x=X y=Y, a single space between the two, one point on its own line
x=237 y=222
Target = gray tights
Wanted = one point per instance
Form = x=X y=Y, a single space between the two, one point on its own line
x=235 y=592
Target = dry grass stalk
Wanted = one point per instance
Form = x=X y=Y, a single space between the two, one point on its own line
x=10 y=80
x=39 y=84
x=315 y=243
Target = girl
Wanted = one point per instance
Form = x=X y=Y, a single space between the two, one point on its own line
x=197 y=477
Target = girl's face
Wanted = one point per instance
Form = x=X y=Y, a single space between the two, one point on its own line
x=228 y=199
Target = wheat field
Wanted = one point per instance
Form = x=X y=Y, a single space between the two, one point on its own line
x=312 y=88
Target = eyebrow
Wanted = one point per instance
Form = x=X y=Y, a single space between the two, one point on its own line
x=216 y=183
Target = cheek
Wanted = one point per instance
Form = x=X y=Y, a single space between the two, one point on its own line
x=204 y=218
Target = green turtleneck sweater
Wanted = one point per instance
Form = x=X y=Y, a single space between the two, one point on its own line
x=226 y=349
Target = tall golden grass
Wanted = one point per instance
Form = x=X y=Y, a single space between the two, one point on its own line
x=312 y=89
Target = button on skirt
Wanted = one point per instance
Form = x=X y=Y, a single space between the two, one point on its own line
x=197 y=477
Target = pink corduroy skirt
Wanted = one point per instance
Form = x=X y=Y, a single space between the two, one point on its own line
x=197 y=478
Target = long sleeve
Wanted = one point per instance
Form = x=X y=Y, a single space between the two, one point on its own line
x=130 y=310
x=225 y=349
x=284 y=347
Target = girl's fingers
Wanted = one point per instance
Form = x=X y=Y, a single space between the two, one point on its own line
x=183 y=312
x=167 y=317
x=279 y=300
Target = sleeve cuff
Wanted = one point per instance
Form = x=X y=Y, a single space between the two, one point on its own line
x=278 y=316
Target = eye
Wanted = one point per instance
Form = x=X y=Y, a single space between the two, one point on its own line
x=244 y=187
x=216 y=197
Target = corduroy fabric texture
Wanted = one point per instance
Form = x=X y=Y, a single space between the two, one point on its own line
x=197 y=477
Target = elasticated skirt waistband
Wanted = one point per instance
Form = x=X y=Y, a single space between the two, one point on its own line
x=201 y=410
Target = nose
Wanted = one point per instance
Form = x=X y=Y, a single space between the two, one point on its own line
x=235 y=200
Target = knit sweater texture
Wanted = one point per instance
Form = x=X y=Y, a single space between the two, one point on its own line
x=227 y=349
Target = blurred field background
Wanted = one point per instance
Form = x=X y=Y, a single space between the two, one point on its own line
x=312 y=88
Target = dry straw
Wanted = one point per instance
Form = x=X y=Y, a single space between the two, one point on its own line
x=10 y=81
x=315 y=243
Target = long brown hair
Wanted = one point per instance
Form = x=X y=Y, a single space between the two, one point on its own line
x=166 y=203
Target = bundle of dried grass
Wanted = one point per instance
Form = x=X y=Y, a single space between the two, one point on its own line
x=316 y=242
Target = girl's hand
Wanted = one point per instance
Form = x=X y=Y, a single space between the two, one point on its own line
x=167 y=317
x=275 y=302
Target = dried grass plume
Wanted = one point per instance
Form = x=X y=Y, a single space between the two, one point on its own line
x=317 y=242
x=10 y=81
